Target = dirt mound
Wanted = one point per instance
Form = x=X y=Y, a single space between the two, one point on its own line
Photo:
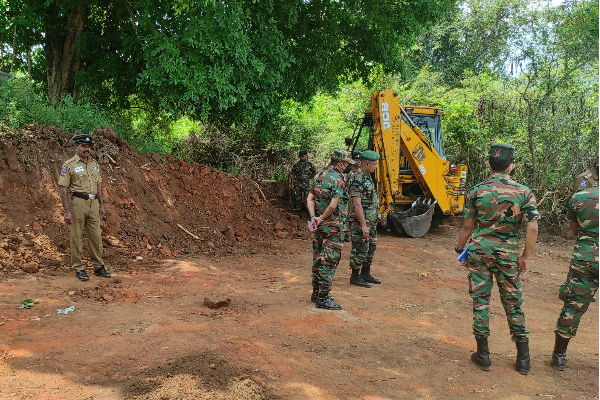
x=157 y=207
x=197 y=377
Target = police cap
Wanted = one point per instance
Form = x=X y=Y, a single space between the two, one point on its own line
x=369 y=155
x=83 y=139
x=502 y=150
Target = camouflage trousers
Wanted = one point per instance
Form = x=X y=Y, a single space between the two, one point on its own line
x=481 y=281
x=576 y=292
x=299 y=198
x=363 y=250
x=328 y=243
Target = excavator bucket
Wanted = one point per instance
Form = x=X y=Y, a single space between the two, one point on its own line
x=415 y=221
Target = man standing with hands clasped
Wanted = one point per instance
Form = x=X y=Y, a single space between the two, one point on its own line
x=327 y=221
x=498 y=206
x=83 y=205
x=363 y=220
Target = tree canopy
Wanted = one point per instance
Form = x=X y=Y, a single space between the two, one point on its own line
x=265 y=78
x=232 y=61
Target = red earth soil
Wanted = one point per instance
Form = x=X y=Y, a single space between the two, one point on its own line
x=150 y=200
x=147 y=334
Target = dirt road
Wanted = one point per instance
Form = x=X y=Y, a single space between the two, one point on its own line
x=145 y=333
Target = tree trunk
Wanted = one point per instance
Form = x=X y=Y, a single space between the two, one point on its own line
x=2 y=57
x=531 y=143
x=12 y=65
x=29 y=62
x=62 y=57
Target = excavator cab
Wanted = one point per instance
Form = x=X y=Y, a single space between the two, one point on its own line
x=414 y=178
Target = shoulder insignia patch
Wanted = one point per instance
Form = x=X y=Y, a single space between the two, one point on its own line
x=588 y=175
x=583 y=183
x=64 y=169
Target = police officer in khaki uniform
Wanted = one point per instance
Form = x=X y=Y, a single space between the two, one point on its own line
x=588 y=179
x=81 y=194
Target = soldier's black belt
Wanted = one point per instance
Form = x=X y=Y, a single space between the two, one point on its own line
x=85 y=196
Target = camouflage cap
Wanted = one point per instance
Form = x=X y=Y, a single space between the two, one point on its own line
x=83 y=139
x=502 y=150
x=342 y=155
x=369 y=155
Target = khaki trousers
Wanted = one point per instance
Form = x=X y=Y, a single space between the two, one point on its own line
x=86 y=215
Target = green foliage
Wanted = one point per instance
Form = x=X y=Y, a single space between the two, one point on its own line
x=228 y=62
x=27 y=304
x=475 y=39
x=236 y=150
x=21 y=103
x=243 y=85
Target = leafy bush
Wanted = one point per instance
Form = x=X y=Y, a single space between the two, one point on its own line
x=236 y=150
x=21 y=102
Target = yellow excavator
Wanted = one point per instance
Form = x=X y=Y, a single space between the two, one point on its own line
x=413 y=178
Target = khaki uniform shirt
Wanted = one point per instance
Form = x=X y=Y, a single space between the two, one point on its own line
x=586 y=180
x=79 y=176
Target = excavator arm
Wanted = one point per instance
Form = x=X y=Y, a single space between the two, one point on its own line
x=396 y=138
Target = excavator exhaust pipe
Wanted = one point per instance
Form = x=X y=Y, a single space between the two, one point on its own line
x=415 y=221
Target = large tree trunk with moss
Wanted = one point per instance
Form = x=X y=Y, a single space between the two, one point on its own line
x=63 y=30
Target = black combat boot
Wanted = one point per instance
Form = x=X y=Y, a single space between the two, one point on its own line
x=101 y=271
x=523 y=360
x=559 y=355
x=366 y=275
x=326 y=302
x=482 y=356
x=356 y=279
x=82 y=275
x=315 y=294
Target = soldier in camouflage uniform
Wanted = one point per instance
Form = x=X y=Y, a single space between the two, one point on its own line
x=582 y=280
x=345 y=203
x=363 y=220
x=498 y=205
x=302 y=172
x=327 y=219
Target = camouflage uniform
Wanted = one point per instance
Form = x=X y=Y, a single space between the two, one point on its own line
x=345 y=206
x=499 y=205
x=303 y=171
x=328 y=241
x=361 y=185
x=582 y=279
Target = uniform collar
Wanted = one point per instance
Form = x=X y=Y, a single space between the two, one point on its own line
x=77 y=159
x=499 y=175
